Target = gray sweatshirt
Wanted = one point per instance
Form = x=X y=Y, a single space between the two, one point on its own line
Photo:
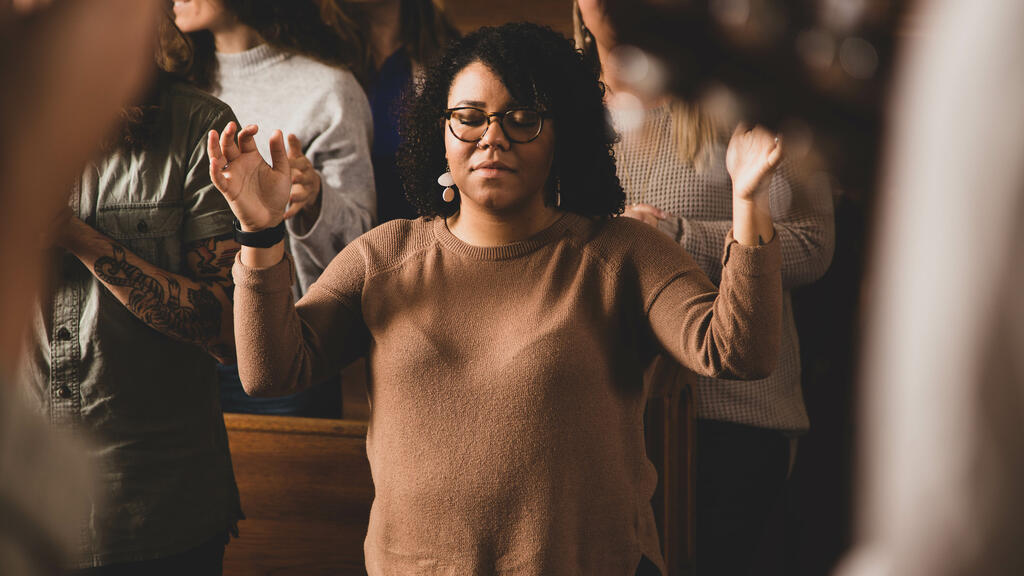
x=328 y=111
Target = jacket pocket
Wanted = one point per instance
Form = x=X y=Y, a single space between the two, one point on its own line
x=151 y=231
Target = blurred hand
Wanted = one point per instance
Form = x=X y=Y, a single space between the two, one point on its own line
x=305 y=179
x=645 y=213
x=256 y=192
x=752 y=156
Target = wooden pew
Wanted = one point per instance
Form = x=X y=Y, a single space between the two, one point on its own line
x=306 y=492
x=670 y=433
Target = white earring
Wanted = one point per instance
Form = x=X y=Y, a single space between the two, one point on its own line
x=447 y=181
x=558 y=192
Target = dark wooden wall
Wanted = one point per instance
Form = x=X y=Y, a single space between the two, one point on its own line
x=471 y=14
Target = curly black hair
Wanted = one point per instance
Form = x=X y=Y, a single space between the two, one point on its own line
x=540 y=68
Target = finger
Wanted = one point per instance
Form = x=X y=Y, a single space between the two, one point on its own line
x=741 y=129
x=294 y=147
x=217 y=161
x=246 y=142
x=278 y=156
x=293 y=209
x=227 y=142
x=299 y=194
x=213 y=147
x=298 y=176
x=651 y=210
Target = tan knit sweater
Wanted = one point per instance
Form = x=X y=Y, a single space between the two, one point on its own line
x=506 y=431
x=700 y=207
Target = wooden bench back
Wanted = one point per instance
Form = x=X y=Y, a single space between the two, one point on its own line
x=306 y=492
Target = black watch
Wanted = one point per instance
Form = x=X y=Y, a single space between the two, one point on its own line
x=262 y=239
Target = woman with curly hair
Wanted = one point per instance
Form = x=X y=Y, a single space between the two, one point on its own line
x=291 y=65
x=506 y=329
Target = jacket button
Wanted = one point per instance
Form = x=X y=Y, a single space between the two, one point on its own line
x=64 y=334
x=64 y=392
x=142 y=226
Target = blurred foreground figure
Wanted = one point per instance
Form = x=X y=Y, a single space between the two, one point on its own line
x=943 y=408
x=122 y=343
x=48 y=134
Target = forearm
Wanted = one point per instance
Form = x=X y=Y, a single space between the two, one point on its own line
x=752 y=221
x=278 y=352
x=189 y=310
x=733 y=332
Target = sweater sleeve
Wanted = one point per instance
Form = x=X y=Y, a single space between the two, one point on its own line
x=802 y=213
x=341 y=155
x=732 y=332
x=283 y=348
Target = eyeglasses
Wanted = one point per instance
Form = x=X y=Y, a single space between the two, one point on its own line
x=520 y=125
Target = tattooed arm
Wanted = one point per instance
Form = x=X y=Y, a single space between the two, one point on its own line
x=194 y=308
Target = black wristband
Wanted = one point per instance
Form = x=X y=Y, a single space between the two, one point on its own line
x=262 y=239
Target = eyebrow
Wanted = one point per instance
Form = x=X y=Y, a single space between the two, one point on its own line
x=478 y=104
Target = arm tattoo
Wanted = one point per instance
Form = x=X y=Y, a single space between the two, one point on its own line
x=211 y=265
x=198 y=322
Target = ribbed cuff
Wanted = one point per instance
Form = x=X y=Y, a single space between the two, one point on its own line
x=752 y=261
x=278 y=278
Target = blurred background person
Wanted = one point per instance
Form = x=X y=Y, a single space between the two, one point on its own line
x=294 y=66
x=671 y=159
x=104 y=49
x=402 y=37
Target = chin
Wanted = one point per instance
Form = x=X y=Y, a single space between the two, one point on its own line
x=498 y=202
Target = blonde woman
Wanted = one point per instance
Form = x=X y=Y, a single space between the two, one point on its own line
x=672 y=162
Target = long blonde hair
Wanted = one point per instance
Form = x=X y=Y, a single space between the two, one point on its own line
x=697 y=133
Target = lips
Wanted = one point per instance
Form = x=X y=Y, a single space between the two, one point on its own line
x=493 y=165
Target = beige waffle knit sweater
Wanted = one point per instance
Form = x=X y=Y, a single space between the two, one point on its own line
x=700 y=208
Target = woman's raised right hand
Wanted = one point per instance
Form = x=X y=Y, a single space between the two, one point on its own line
x=256 y=192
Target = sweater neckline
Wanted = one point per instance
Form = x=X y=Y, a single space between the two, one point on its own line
x=505 y=251
x=237 y=64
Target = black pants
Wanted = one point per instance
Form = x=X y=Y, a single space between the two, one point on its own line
x=207 y=559
x=741 y=471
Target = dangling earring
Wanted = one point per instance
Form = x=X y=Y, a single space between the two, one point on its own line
x=447 y=181
x=588 y=38
x=558 y=192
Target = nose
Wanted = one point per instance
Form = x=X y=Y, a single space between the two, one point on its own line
x=494 y=135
